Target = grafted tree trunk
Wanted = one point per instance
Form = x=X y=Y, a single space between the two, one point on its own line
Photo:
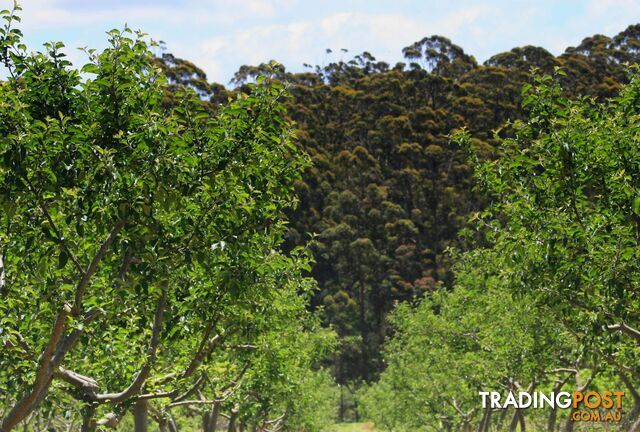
x=141 y=418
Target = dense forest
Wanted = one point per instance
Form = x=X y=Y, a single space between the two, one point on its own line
x=362 y=239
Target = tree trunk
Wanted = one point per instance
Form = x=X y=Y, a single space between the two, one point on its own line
x=363 y=333
x=466 y=426
x=553 y=416
x=140 y=416
x=551 y=421
x=212 y=424
x=483 y=420
x=172 y=425
x=634 y=414
x=568 y=427
x=514 y=421
x=341 y=415
x=523 y=426
x=232 y=421
x=503 y=415
x=581 y=388
x=486 y=420
x=88 y=419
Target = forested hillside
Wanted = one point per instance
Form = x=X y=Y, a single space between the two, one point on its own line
x=388 y=191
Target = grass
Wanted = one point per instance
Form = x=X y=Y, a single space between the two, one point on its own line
x=354 y=427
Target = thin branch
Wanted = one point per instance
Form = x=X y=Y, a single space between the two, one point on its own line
x=203 y=353
x=173 y=394
x=240 y=347
x=206 y=346
x=276 y=420
x=93 y=266
x=191 y=389
x=61 y=238
x=192 y=402
x=142 y=376
x=2 y=274
x=160 y=395
x=71 y=339
x=562 y=370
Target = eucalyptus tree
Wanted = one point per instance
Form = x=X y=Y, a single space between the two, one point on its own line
x=440 y=56
x=132 y=235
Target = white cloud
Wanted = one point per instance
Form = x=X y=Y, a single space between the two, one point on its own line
x=56 y=14
x=305 y=41
x=260 y=7
x=618 y=13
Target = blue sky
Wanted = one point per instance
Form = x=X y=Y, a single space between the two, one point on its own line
x=221 y=35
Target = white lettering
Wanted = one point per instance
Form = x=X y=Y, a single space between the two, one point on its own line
x=565 y=402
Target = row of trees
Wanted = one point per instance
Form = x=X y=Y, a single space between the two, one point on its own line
x=141 y=268
x=551 y=301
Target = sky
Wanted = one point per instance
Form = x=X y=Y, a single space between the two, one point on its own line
x=221 y=35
